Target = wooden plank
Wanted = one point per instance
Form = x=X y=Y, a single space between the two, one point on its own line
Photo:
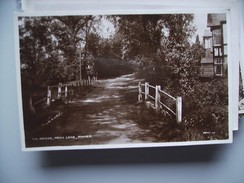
x=179 y=109
x=146 y=90
x=49 y=96
x=157 y=98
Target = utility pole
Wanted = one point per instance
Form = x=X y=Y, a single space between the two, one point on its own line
x=80 y=61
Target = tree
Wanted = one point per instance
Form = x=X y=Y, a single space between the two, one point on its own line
x=52 y=49
x=35 y=48
x=146 y=35
x=140 y=34
x=93 y=44
x=75 y=35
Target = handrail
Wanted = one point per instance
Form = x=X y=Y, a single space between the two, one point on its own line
x=160 y=91
x=167 y=108
x=66 y=91
x=39 y=101
x=152 y=86
x=157 y=99
x=151 y=97
x=167 y=94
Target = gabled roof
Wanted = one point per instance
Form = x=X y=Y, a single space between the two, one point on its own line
x=215 y=19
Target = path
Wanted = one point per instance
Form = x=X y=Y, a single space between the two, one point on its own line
x=103 y=116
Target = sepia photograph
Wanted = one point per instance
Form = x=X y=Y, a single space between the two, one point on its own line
x=123 y=80
x=241 y=74
x=241 y=94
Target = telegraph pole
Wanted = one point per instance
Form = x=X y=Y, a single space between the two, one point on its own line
x=80 y=61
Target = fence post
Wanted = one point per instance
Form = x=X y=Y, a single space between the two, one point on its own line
x=66 y=92
x=77 y=88
x=89 y=80
x=72 y=90
x=179 y=109
x=157 y=98
x=146 y=90
x=59 y=91
x=49 y=96
x=140 y=92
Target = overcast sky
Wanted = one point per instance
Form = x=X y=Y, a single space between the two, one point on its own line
x=200 y=22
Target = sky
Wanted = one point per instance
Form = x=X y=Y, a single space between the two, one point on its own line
x=200 y=22
x=107 y=28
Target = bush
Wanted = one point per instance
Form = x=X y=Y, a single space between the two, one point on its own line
x=109 y=68
x=205 y=110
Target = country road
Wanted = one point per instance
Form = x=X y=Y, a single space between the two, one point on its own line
x=102 y=116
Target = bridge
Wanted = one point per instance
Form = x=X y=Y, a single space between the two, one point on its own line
x=107 y=113
x=66 y=91
x=152 y=96
x=154 y=100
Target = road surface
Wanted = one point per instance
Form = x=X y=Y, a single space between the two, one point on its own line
x=102 y=116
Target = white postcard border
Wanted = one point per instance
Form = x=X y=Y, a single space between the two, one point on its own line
x=232 y=77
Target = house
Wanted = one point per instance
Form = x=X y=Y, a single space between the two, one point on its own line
x=215 y=44
x=217 y=25
x=207 y=66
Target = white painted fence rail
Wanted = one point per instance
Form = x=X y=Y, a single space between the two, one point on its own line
x=144 y=89
x=65 y=90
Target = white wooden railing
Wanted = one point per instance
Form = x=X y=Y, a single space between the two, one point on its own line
x=63 y=91
x=144 y=89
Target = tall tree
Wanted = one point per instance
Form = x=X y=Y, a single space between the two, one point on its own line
x=35 y=46
x=146 y=35
x=74 y=33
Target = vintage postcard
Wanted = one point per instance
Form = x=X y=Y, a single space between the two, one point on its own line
x=124 y=80
x=241 y=86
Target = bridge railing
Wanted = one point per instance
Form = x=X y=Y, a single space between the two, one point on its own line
x=146 y=90
x=66 y=90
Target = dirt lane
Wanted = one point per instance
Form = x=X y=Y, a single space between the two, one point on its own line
x=110 y=119
x=103 y=116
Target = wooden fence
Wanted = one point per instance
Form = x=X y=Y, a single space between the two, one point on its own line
x=144 y=89
x=67 y=90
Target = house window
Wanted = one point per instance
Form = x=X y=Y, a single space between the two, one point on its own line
x=217 y=37
x=217 y=51
x=208 y=42
x=218 y=61
x=218 y=71
x=218 y=66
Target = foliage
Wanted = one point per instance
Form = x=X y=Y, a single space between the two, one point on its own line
x=52 y=49
x=158 y=47
x=109 y=68
x=161 y=46
x=241 y=91
x=205 y=108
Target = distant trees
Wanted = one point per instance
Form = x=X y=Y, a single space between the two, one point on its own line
x=52 y=48
x=56 y=49
x=75 y=35
x=161 y=44
x=35 y=39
